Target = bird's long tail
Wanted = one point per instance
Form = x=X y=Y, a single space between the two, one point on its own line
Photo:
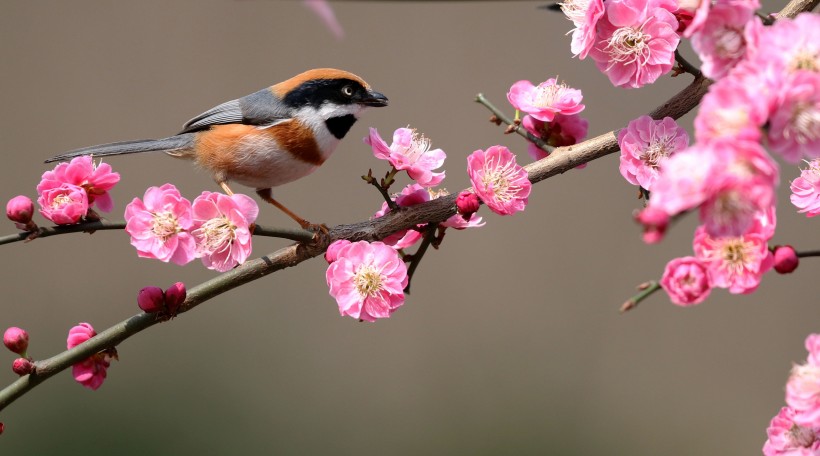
x=174 y=143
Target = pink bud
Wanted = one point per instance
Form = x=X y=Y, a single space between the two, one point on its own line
x=174 y=297
x=151 y=299
x=467 y=204
x=16 y=340
x=20 y=209
x=785 y=259
x=333 y=250
x=2 y=427
x=654 y=221
x=22 y=366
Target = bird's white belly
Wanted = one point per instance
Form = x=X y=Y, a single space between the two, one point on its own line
x=261 y=163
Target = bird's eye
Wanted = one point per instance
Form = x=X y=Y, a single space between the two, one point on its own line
x=347 y=91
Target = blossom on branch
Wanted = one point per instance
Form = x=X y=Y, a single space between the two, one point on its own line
x=95 y=179
x=736 y=263
x=803 y=387
x=367 y=280
x=645 y=145
x=806 y=190
x=90 y=372
x=686 y=281
x=545 y=101
x=498 y=180
x=221 y=229
x=160 y=225
x=63 y=205
x=563 y=130
x=409 y=152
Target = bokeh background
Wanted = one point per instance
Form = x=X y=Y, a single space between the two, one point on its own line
x=511 y=342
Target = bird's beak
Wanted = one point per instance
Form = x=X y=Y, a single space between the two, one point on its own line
x=373 y=98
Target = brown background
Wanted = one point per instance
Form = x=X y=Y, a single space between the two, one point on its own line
x=511 y=342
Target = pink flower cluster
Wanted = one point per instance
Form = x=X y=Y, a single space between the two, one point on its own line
x=215 y=228
x=366 y=279
x=409 y=152
x=92 y=371
x=67 y=192
x=796 y=428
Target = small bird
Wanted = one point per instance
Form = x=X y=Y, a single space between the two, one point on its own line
x=268 y=138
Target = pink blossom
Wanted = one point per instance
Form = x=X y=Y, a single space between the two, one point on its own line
x=737 y=263
x=655 y=221
x=151 y=299
x=794 y=129
x=221 y=229
x=546 y=100
x=332 y=253
x=160 y=225
x=411 y=152
x=95 y=179
x=731 y=208
x=682 y=183
x=585 y=16
x=699 y=10
x=467 y=203
x=730 y=111
x=785 y=259
x=19 y=210
x=686 y=281
x=562 y=131
x=90 y=372
x=498 y=180
x=792 y=45
x=806 y=190
x=803 y=387
x=410 y=196
x=636 y=41
x=787 y=438
x=175 y=296
x=645 y=145
x=63 y=205
x=367 y=280
x=721 y=42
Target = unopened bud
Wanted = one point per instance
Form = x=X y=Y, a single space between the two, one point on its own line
x=654 y=221
x=16 y=340
x=22 y=366
x=333 y=250
x=19 y=210
x=785 y=259
x=174 y=297
x=467 y=204
x=151 y=299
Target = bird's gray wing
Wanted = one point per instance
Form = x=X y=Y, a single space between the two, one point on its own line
x=260 y=108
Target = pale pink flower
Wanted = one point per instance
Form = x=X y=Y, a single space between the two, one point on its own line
x=792 y=45
x=546 y=100
x=794 y=128
x=806 y=189
x=682 y=183
x=645 y=145
x=737 y=263
x=221 y=229
x=498 y=180
x=730 y=111
x=367 y=280
x=96 y=179
x=562 y=131
x=803 y=387
x=64 y=204
x=686 y=281
x=721 y=42
x=585 y=16
x=160 y=225
x=411 y=152
x=787 y=438
x=90 y=372
x=324 y=11
x=636 y=41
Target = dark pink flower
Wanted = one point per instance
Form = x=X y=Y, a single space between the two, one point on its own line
x=787 y=438
x=546 y=100
x=806 y=190
x=63 y=205
x=160 y=225
x=467 y=203
x=22 y=366
x=90 y=372
x=151 y=299
x=655 y=222
x=562 y=131
x=686 y=281
x=794 y=128
x=645 y=145
x=367 y=280
x=498 y=180
x=19 y=210
x=221 y=229
x=95 y=179
x=636 y=41
x=16 y=340
x=737 y=263
x=785 y=259
x=411 y=152
x=175 y=295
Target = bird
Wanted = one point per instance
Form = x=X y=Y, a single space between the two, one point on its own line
x=269 y=138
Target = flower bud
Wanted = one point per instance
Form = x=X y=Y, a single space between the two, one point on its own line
x=151 y=299
x=16 y=340
x=174 y=297
x=2 y=427
x=467 y=204
x=333 y=250
x=22 y=366
x=785 y=259
x=654 y=221
x=19 y=210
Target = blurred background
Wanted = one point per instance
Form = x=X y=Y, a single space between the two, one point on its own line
x=511 y=341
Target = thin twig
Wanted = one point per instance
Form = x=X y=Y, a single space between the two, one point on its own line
x=686 y=66
x=514 y=126
x=429 y=236
x=646 y=290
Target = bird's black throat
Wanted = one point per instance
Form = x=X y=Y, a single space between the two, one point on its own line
x=339 y=126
